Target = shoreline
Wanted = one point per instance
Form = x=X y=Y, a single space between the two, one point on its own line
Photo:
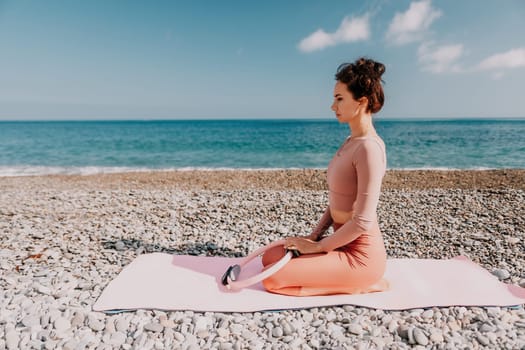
x=285 y=179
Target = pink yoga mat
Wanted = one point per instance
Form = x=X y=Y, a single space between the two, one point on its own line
x=182 y=282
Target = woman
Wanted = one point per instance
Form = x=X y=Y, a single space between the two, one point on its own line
x=353 y=258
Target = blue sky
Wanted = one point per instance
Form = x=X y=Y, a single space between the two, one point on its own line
x=256 y=59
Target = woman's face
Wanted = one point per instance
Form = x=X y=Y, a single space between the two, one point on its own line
x=344 y=106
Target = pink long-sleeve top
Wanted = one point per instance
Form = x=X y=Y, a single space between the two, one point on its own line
x=354 y=176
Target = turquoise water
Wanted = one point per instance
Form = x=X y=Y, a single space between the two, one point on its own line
x=106 y=146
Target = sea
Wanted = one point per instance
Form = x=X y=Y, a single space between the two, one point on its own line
x=91 y=147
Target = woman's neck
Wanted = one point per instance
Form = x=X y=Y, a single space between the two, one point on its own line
x=362 y=127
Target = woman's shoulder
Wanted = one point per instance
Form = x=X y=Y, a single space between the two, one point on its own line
x=371 y=149
x=371 y=143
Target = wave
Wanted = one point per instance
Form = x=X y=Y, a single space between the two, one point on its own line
x=30 y=170
x=446 y=168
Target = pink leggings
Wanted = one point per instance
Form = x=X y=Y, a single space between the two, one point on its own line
x=355 y=268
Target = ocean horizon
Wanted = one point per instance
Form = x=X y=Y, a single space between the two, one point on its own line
x=108 y=146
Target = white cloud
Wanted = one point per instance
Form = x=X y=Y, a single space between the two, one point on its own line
x=440 y=59
x=353 y=29
x=316 y=41
x=350 y=30
x=411 y=25
x=514 y=58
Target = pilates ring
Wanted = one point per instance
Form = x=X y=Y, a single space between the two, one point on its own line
x=230 y=279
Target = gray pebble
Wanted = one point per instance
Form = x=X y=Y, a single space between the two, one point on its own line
x=167 y=323
x=287 y=328
x=392 y=326
x=202 y=323
x=296 y=343
x=277 y=332
x=246 y=334
x=61 y=324
x=378 y=341
x=223 y=332
x=11 y=340
x=78 y=319
x=522 y=283
x=402 y=331
x=30 y=321
x=485 y=327
x=120 y=246
x=519 y=324
x=330 y=316
x=153 y=327
x=203 y=334
x=43 y=335
x=436 y=336
x=482 y=339
x=314 y=343
x=308 y=316
x=375 y=332
x=502 y=274
x=494 y=311
x=386 y=319
x=338 y=335
x=84 y=285
x=110 y=325
x=121 y=324
x=70 y=345
x=428 y=314
x=420 y=337
x=45 y=320
x=236 y=328
x=54 y=314
x=95 y=324
x=225 y=346
x=410 y=334
x=192 y=346
x=43 y=290
x=41 y=273
x=355 y=329
x=179 y=336
x=117 y=339
x=287 y=339
x=317 y=323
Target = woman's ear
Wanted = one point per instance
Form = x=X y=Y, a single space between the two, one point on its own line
x=363 y=101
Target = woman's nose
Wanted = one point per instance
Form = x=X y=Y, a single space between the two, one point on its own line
x=333 y=106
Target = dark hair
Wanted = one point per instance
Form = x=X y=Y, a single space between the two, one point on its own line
x=363 y=78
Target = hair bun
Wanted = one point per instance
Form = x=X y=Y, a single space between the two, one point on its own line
x=368 y=67
x=379 y=69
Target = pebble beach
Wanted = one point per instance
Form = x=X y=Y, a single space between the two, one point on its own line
x=64 y=238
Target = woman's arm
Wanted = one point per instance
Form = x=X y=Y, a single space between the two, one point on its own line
x=324 y=224
x=309 y=244
x=370 y=168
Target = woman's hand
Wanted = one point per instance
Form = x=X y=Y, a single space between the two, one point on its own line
x=313 y=237
x=303 y=245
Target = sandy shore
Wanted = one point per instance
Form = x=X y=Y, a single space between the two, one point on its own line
x=308 y=179
x=64 y=238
